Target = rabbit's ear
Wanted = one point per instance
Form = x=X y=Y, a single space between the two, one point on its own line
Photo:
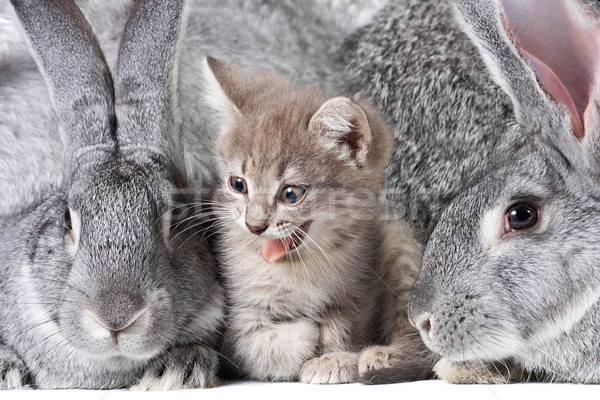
x=224 y=86
x=542 y=53
x=73 y=66
x=147 y=78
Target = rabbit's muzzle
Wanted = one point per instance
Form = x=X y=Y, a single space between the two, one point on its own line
x=116 y=317
x=120 y=323
x=463 y=325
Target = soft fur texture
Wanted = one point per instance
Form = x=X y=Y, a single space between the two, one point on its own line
x=448 y=117
x=307 y=314
x=465 y=149
x=101 y=286
x=293 y=38
x=490 y=297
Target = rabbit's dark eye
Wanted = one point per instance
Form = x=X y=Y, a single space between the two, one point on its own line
x=68 y=223
x=292 y=194
x=238 y=184
x=521 y=216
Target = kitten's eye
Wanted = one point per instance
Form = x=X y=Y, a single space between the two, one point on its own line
x=68 y=223
x=238 y=184
x=292 y=194
x=520 y=216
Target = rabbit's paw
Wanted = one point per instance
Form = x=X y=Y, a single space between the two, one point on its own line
x=187 y=367
x=377 y=357
x=476 y=372
x=335 y=367
x=13 y=373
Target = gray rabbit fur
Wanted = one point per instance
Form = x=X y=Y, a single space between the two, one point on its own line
x=448 y=117
x=481 y=126
x=100 y=287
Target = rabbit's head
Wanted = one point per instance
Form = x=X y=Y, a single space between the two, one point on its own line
x=513 y=262
x=112 y=271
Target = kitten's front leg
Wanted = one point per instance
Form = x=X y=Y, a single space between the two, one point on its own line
x=337 y=364
x=404 y=350
x=272 y=351
x=405 y=344
x=184 y=367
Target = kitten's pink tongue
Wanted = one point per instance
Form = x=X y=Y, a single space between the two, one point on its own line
x=274 y=249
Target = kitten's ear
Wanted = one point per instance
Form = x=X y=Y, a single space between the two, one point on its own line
x=343 y=127
x=224 y=87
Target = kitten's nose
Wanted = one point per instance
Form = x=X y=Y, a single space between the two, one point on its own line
x=257 y=230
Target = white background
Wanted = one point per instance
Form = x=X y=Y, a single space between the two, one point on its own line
x=436 y=390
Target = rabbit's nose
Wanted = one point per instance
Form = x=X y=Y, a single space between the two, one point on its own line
x=425 y=324
x=115 y=312
x=100 y=327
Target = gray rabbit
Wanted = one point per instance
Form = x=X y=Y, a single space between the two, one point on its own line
x=501 y=164
x=515 y=285
x=102 y=286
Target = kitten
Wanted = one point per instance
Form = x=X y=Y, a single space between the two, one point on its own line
x=312 y=274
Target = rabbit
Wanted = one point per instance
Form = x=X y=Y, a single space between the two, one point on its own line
x=508 y=289
x=414 y=62
x=296 y=39
x=480 y=137
x=103 y=283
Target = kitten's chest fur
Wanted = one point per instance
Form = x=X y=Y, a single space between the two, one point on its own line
x=298 y=286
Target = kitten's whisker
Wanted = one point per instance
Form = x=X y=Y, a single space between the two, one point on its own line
x=329 y=261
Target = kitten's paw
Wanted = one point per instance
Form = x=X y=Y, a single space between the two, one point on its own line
x=335 y=367
x=13 y=372
x=377 y=357
x=476 y=372
x=188 y=367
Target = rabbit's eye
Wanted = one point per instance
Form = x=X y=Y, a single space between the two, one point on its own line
x=68 y=223
x=520 y=216
x=238 y=184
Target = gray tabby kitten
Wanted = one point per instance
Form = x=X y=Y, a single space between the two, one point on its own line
x=306 y=259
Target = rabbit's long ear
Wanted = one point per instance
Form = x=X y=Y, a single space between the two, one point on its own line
x=544 y=53
x=146 y=82
x=74 y=68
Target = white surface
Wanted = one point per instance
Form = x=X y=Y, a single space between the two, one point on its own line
x=436 y=390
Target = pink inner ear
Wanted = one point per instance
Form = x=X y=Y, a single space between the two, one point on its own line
x=562 y=44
